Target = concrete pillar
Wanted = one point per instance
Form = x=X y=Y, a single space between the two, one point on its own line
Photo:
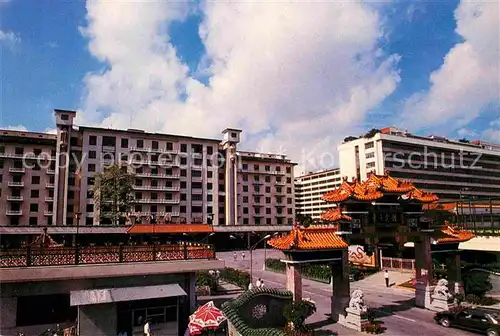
x=294 y=281
x=341 y=287
x=423 y=272
x=8 y=312
x=454 y=274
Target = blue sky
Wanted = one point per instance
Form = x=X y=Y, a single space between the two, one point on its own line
x=46 y=64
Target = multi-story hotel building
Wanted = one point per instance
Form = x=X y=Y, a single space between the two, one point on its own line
x=177 y=179
x=450 y=169
x=310 y=187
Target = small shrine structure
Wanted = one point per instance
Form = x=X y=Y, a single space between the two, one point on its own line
x=383 y=210
x=316 y=245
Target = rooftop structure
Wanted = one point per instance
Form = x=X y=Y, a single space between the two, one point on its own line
x=450 y=169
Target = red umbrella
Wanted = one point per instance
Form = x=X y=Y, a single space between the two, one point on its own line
x=207 y=316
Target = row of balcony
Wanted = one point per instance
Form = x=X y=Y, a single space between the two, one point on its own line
x=29 y=156
x=157 y=201
x=16 y=184
x=166 y=176
x=155 y=188
x=11 y=212
x=157 y=214
x=277 y=183
x=151 y=150
x=270 y=172
x=16 y=198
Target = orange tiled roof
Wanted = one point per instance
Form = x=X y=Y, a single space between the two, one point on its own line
x=454 y=235
x=170 y=228
x=375 y=187
x=313 y=238
x=334 y=215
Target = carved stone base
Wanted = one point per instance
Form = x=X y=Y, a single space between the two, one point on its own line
x=354 y=319
x=423 y=295
x=439 y=304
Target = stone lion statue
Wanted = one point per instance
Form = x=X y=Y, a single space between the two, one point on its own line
x=441 y=290
x=357 y=302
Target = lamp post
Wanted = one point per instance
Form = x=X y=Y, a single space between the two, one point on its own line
x=462 y=204
x=201 y=240
x=251 y=258
x=265 y=253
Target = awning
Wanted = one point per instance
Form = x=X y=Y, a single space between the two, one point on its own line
x=170 y=228
x=488 y=244
x=108 y=295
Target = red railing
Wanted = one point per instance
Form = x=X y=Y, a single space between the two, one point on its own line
x=59 y=256
x=398 y=264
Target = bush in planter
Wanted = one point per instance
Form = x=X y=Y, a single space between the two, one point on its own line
x=297 y=312
x=236 y=277
x=375 y=328
x=204 y=279
x=477 y=283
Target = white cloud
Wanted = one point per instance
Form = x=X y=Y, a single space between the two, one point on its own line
x=16 y=128
x=493 y=132
x=468 y=81
x=9 y=37
x=296 y=77
x=50 y=130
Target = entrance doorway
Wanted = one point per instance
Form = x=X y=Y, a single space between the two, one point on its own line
x=163 y=314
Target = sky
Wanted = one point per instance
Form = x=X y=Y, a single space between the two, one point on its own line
x=297 y=77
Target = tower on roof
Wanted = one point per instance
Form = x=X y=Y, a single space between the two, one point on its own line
x=231 y=135
x=64 y=117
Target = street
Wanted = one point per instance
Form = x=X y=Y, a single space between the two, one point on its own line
x=394 y=305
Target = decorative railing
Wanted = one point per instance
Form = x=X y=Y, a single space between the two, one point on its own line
x=61 y=256
x=398 y=264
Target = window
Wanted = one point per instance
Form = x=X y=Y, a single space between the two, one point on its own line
x=90 y=180
x=268 y=221
x=268 y=211
x=91 y=167
x=209 y=174
x=92 y=154
x=89 y=208
x=268 y=200
x=71 y=194
x=69 y=207
x=209 y=186
x=370 y=155
x=196 y=173
x=256 y=189
x=64 y=117
x=170 y=146
x=288 y=180
x=370 y=164
x=245 y=199
x=234 y=135
x=183 y=197
x=138 y=182
x=154 y=183
x=210 y=150
x=288 y=190
x=154 y=144
x=289 y=200
x=256 y=167
x=288 y=170
x=268 y=178
x=154 y=196
x=19 y=151
x=290 y=211
x=245 y=166
x=35 y=193
x=267 y=168
x=89 y=221
x=256 y=178
x=369 y=145
x=183 y=184
x=182 y=209
x=183 y=172
x=183 y=161
x=196 y=185
x=245 y=188
x=35 y=179
x=140 y=143
x=245 y=177
x=245 y=221
x=209 y=198
x=124 y=143
x=92 y=140
x=33 y=207
x=268 y=189
x=184 y=148
x=245 y=210
x=33 y=220
x=197 y=209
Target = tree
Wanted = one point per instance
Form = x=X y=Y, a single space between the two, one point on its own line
x=371 y=133
x=113 y=193
x=464 y=140
x=350 y=138
x=305 y=220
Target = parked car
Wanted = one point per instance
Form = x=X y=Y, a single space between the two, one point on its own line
x=481 y=320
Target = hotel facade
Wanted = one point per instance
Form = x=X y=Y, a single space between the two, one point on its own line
x=450 y=169
x=310 y=187
x=48 y=179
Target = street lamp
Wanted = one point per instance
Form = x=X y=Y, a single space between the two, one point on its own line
x=265 y=252
x=251 y=258
x=210 y=235
x=462 y=203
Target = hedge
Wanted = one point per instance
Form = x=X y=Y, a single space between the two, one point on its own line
x=236 y=277
x=320 y=272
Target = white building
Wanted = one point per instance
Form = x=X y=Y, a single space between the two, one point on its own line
x=310 y=187
x=451 y=169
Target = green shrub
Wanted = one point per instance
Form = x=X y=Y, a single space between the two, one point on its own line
x=477 y=283
x=236 y=277
x=297 y=312
x=205 y=279
x=374 y=328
